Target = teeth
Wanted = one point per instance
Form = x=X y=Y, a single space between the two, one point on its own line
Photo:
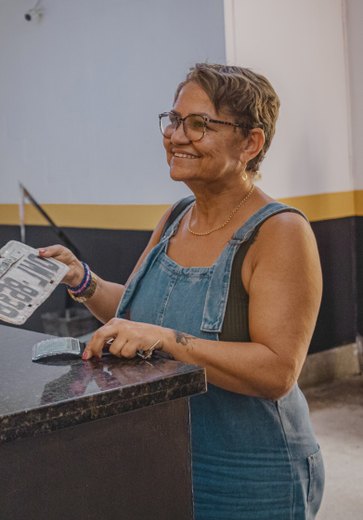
x=185 y=156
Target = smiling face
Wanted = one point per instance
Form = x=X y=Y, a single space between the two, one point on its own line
x=217 y=157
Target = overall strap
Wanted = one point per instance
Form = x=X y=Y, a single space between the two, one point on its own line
x=219 y=286
x=169 y=228
x=235 y=322
x=255 y=221
x=176 y=211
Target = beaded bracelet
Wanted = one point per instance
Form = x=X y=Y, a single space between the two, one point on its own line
x=86 y=294
x=84 y=286
x=86 y=274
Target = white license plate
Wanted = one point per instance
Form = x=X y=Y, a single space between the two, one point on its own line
x=26 y=281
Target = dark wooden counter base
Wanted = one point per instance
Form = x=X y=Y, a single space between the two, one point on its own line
x=95 y=440
x=131 y=466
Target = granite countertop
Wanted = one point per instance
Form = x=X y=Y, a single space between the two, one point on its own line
x=42 y=397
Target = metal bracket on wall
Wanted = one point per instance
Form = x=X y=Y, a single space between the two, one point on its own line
x=25 y=195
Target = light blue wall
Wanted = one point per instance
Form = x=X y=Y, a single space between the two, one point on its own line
x=81 y=89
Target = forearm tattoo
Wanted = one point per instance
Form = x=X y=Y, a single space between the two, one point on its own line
x=184 y=339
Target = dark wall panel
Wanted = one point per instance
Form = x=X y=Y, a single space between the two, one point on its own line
x=359 y=263
x=337 y=318
x=112 y=254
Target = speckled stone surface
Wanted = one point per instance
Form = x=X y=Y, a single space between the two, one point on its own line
x=43 y=397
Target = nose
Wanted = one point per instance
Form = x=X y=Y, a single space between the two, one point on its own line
x=178 y=136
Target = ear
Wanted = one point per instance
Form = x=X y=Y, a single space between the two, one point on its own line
x=253 y=144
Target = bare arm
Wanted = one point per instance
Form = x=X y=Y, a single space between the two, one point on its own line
x=103 y=304
x=284 y=298
x=284 y=285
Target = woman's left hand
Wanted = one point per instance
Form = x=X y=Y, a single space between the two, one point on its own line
x=127 y=338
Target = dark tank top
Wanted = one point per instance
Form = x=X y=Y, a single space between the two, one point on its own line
x=235 y=324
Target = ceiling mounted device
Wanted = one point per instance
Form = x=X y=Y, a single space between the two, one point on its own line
x=35 y=13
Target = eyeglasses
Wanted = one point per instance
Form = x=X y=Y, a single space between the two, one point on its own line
x=194 y=125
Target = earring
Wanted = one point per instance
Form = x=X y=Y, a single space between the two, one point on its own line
x=244 y=176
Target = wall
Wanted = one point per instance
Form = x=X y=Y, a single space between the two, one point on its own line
x=299 y=46
x=303 y=48
x=81 y=89
x=80 y=92
x=76 y=86
x=354 y=36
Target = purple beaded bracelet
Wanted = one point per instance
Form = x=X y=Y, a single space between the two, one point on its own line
x=85 y=283
x=85 y=286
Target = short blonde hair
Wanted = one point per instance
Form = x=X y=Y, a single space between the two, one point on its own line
x=246 y=95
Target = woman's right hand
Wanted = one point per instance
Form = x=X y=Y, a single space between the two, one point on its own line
x=76 y=270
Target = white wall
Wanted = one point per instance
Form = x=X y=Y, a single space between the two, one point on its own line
x=354 y=31
x=299 y=45
x=80 y=91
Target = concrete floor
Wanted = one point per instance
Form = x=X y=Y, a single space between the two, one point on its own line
x=337 y=415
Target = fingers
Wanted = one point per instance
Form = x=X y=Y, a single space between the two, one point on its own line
x=125 y=338
x=57 y=251
x=99 y=339
x=64 y=255
x=130 y=348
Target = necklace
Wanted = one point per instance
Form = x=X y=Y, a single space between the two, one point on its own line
x=205 y=233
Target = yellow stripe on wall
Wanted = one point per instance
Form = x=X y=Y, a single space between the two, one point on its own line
x=358 y=203
x=95 y=216
x=324 y=206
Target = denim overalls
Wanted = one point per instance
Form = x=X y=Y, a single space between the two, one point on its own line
x=252 y=458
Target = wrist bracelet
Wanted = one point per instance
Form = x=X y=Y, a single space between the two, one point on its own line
x=87 y=293
x=84 y=286
x=85 y=276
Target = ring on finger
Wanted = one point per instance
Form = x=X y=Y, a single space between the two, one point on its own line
x=147 y=352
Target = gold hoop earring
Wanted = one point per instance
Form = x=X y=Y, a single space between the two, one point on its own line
x=244 y=176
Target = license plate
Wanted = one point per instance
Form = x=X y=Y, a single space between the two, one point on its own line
x=26 y=281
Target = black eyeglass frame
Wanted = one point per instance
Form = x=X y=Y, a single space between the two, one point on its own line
x=206 y=120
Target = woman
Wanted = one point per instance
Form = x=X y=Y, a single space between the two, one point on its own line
x=232 y=284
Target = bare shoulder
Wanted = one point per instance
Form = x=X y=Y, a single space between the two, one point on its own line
x=286 y=230
x=284 y=286
x=285 y=248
